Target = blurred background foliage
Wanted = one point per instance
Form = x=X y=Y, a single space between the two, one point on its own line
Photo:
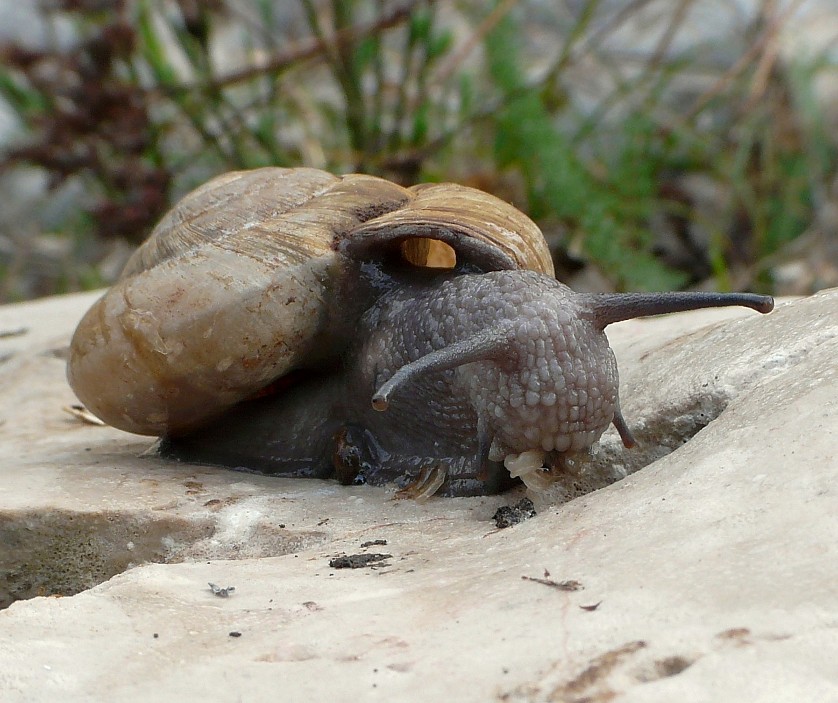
x=659 y=145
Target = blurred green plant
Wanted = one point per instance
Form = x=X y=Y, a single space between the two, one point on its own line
x=605 y=180
x=153 y=97
x=607 y=213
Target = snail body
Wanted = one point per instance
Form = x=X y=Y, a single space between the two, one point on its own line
x=412 y=375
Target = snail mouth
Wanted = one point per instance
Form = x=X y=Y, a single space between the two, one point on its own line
x=355 y=454
x=576 y=473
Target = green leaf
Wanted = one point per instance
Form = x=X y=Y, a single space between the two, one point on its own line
x=153 y=50
x=365 y=52
x=439 y=45
x=502 y=53
x=420 y=26
x=25 y=101
x=420 y=124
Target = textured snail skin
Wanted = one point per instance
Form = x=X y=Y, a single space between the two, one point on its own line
x=518 y=362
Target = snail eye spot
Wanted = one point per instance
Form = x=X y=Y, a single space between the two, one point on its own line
x=429 y=253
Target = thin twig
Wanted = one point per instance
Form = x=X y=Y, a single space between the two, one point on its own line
x=311 y=49
x=395 y=137
x=601 y=34
x=762 y=73
x=746 y=60
x=443 y=73
x=669 y=33
x=569 y=585
x=576 y=35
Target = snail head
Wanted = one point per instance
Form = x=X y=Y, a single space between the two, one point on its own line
x=538 y=368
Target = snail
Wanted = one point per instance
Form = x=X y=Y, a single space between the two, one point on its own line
x=297 y=323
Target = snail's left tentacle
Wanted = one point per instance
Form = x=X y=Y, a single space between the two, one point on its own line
x=622 y=427
x=608 y=308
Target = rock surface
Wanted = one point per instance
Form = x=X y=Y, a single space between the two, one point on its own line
x=710 y=575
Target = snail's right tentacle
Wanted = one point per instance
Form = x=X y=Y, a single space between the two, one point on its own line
x=486 y=344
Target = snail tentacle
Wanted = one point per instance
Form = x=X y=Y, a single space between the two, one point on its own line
x=608 y=308
x=622 y=428
x=486 y=344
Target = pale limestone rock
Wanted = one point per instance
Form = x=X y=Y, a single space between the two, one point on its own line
x=715 y=568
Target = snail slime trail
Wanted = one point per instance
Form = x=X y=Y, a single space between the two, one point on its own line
x=285 y=321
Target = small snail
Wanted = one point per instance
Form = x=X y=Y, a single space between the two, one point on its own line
x=293 y=322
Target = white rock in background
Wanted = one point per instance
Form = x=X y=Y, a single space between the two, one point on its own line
x=713 y=570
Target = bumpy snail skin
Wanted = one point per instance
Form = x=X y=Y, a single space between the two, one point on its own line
x=538 y=374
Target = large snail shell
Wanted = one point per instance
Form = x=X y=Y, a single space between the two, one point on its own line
x=241 y=282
